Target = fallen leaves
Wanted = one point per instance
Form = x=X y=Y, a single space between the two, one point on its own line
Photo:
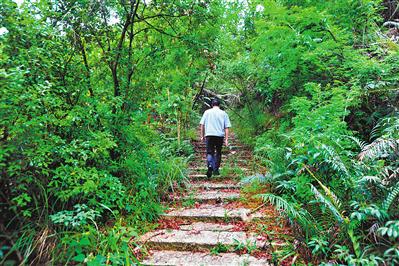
x=171 y=223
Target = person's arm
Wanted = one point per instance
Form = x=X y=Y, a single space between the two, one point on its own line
x=227 y=125
x=226 y=136
x=202 y=127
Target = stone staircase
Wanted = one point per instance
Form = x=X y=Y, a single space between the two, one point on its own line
x=213 y=227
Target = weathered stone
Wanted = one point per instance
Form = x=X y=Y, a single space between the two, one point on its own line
x=201 y=226
x=184 y=258
x=212 y=185
x=200 y=176
x=210 y=213
x=230 y=147
x=203 y=169
x=194 y=240
x=225 y=157
x=213 y=195
x=197 y=176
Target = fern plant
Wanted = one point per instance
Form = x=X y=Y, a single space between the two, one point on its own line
x=392 y=195
x=301 y=216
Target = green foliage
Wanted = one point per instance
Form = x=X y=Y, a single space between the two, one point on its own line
x=96 y=108
x=248 y=246
x=78 y=217
x=73 y=183
x=328 y=176
x=112 y=246
x=391 y=229
x=219 y=248
x=94 y=118
x=320 y=78
x=319 y=247
x=390 y=198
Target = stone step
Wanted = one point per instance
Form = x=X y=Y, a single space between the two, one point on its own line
x=201 y=148
x=213 y=196
x=203 y=151
x=225 y=156
x=202 y=226
x=210 y=212
x=232 y=146
x=193 y=240
x=203 y=168
x=213 y=185
x=237 y=163
x=224 y=149
x=197 y=176
x=201 y=172
x=201 y=176
x=185 y=258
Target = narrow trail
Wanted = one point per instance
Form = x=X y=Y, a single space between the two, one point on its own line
x=216 y=222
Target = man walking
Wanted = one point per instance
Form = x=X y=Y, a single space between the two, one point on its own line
x=215 y=124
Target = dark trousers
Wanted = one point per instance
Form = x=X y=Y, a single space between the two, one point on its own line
x=214 y=151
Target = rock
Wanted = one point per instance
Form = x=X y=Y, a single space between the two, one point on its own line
x=193 y=240
x=210 y=212
x=201 y=226
x=184 y=258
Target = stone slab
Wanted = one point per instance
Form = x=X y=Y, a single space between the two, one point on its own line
x=203 y=168
x=201 y=226
x=200 y=176
x=210 y=213
x=213 y=185
x=213 y=195
x=193 y=240
x=231 y=146
x=229 y=158
x=184 y=258
x=197 y=175
x=225 y=156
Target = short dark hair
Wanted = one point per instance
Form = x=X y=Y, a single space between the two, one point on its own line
x=215 y=102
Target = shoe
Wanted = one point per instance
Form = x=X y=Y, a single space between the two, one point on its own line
x=209 y=172
x=216 y=172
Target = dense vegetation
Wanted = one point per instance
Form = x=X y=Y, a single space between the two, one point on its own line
x=95 y=98
x=319 y=90
x=99 y=98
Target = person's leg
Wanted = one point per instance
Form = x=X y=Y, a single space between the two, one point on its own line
x=210 y=151
x=218 y=155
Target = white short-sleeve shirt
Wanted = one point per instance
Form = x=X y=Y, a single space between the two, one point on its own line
x=215 y=121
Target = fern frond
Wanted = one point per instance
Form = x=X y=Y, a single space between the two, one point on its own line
x=320 y=197
x=379 y=148
x=281 y=204
x=333 y=198
x=387 y=127
x=268 y=178
x=376 y=132
x=369 y=179
x=332 y=158
x=285 y=185
x=373 y=230
x=389 y=174
x=390 y=198
x=259 y=178
x=324 y=219
x=302 y=217
x=359 y=142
